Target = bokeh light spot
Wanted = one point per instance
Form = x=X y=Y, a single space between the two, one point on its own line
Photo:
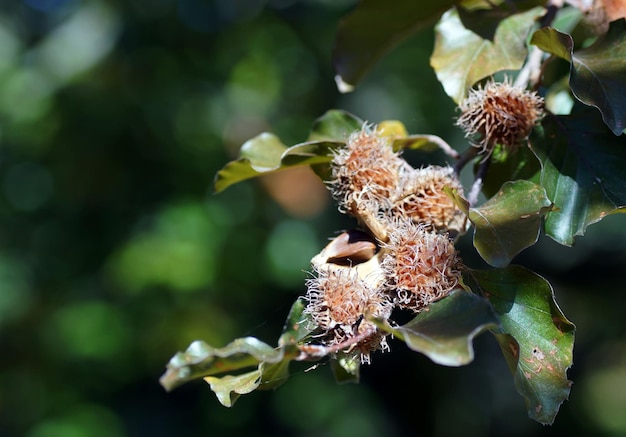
x=178 y=251
x=290 y=247
x=604 y=395
x=244 y=92
x=93 y=330
x=82 y=421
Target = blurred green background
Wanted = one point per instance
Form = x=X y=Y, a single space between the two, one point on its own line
x=115 y=253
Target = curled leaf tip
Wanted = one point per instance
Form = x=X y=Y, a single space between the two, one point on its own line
x=342 y=86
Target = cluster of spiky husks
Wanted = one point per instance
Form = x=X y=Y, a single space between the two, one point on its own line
x=499 y=114
x=404 y=256
x=376 y=185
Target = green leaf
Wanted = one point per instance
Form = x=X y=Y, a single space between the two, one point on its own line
x=446 y=330
x=373 y=29
x=461 y=58
x=422 y=142
x=229 y=388
x=583 y=172
x=260 y=156
x=484 y=21
x=596 y=72
x=297 y=326
x=396 y=131
x=273 y=375
x=598 y=79
x=509 y=222
x=536 y=338
x=335 y=126
x=552 y=41
x=200 y=360
x=266 y=153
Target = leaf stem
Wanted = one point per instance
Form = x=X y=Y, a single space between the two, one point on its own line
x=531 y=72
x=477 y=186
x=464 y=158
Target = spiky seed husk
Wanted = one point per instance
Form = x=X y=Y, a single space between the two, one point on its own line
x=340 y=302
x=499 y=114
x=366 y=169
x=424 y=201
x=421 y=266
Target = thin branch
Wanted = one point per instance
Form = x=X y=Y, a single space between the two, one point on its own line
x=309 y=351
x=465 y=157
x=477 y=186
x=530 y=74
x=448 y=150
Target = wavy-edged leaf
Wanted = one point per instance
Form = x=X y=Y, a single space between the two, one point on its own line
x=200 y=360
x=536 y=338
x=509 y=222
x=273 y=375
x=228 y=388
x=445 y=332
x=583 y=172
x=272 y=365
x=372 y=29
x=297 y=326
x=552 y=41
x=596 y=73
x=461 y=58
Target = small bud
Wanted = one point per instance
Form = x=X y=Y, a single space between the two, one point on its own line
x=499 y=114
x=421 y=266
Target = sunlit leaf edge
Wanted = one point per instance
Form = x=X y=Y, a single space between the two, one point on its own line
x=307 y=153
x=201 y=360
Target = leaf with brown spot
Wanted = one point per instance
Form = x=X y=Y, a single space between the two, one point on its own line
x=536 y=339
